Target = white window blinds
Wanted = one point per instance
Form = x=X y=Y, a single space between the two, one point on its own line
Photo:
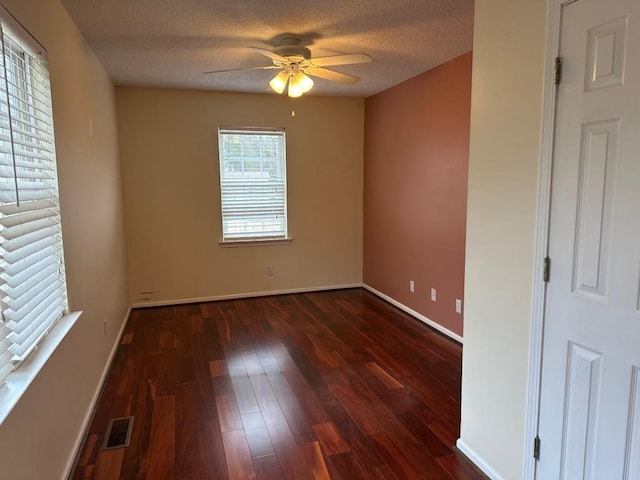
x=253 y=183
x=32 y=280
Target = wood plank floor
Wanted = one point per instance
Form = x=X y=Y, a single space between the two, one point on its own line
x=334 y=384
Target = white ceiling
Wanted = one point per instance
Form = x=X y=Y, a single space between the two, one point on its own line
x=169 y=43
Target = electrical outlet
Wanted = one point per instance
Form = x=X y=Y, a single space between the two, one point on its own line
x=105 y=326
x=412 y=286
x=433 y=294
x=458 y=305
x=268 y=270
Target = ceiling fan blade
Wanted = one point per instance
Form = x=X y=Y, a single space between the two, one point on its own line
x=268 y=67
x=332 y=76
x=347 y=59
x=269 y=53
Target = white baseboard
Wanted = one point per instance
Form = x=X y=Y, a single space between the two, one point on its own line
x=415 y=314
x=477 y=460
x=234 y=296
x=94 y=402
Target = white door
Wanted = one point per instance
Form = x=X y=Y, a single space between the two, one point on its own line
x=589 y=424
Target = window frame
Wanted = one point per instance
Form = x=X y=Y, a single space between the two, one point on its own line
x=254 y=239
x=51 y=332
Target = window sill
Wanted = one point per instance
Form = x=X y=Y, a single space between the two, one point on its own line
x=18 y=381
x=255 y=242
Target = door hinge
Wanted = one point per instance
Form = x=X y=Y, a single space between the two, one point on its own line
x=546 y=269
x=557 y=72
x=536 y=448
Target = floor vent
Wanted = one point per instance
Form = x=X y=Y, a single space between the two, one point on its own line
x=118 y=433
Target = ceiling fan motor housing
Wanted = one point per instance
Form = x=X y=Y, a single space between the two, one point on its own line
x=291 y=49
x=294 y=53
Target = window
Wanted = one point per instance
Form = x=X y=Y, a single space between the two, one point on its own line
x=32 y=280
x=253 y=184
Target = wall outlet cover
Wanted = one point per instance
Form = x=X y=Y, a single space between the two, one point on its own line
x=458 y=305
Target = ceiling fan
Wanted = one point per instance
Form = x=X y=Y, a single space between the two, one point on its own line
x=296 y=64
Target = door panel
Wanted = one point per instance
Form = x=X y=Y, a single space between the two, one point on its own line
x=606 y=53
x=590 y=397
x=581 y=410
x=598 y=154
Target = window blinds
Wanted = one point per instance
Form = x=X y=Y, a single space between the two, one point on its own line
x=32 y=280
x=252 y=183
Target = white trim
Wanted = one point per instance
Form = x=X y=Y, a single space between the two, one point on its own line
x=255 y=242
x=415 y=314
x=18 y=381
x=542 y=238
x=233 y=296
x=477 y=460
x=88 y=417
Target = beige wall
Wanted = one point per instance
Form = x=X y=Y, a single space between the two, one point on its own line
x=506 y=101
x=38 y=437
x=168 y=146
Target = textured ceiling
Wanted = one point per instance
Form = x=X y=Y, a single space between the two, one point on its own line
x=169 y=43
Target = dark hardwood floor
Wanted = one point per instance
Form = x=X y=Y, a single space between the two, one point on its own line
x=334 y=384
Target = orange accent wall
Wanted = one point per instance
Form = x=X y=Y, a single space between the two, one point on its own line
x=416 y=155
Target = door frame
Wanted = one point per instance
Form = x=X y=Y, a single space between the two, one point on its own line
x=545 y=164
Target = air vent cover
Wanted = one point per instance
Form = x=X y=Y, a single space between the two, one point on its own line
x=118 y=433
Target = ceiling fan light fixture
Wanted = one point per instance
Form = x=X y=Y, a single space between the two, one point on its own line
x=299 y=83
x=279 y=82
x=305 y=82
x=295 y=89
